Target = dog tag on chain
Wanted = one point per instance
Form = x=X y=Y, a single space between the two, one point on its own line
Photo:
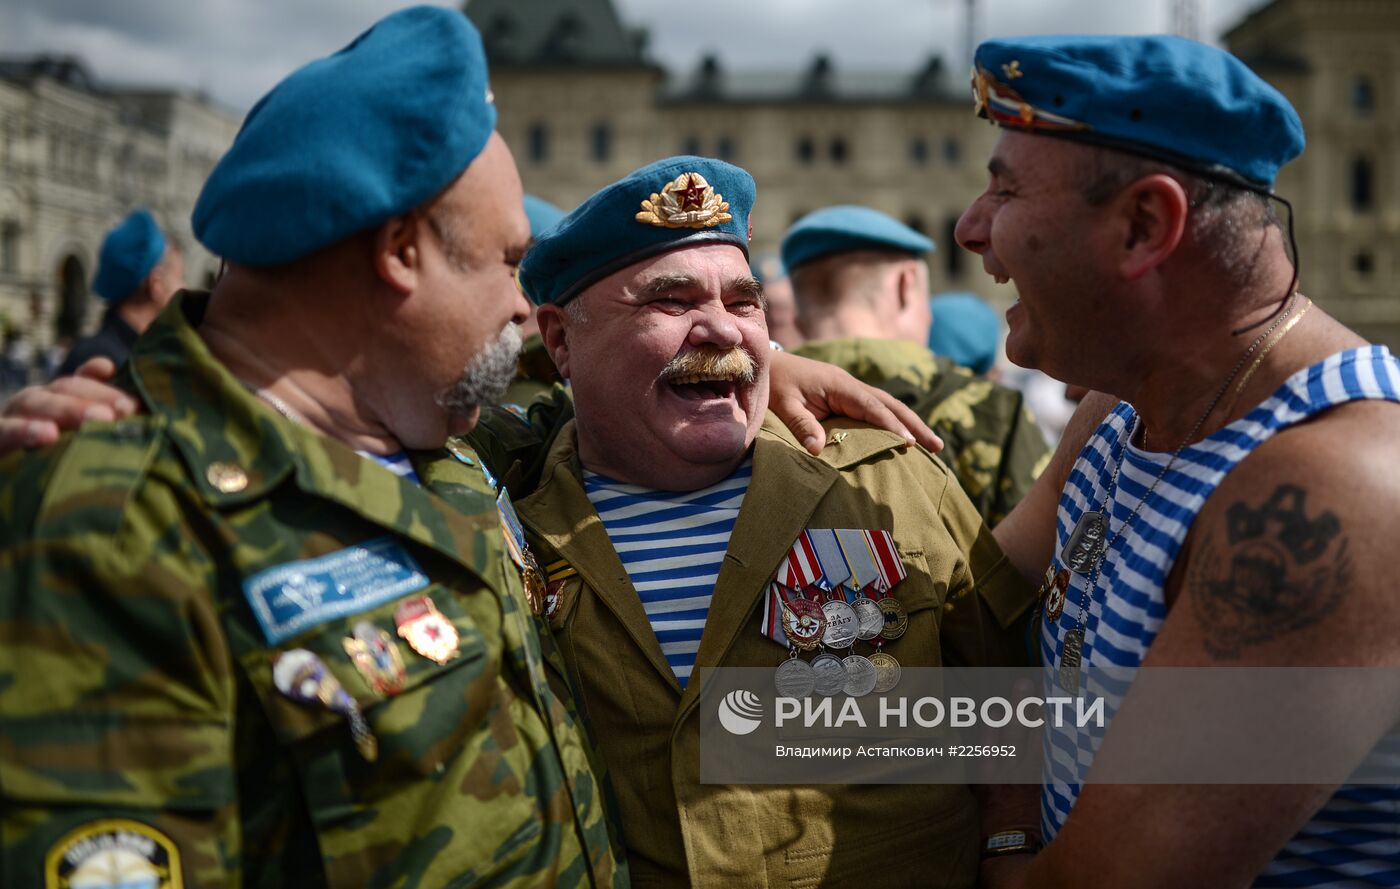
x=1086 y=543
x=1070 y=660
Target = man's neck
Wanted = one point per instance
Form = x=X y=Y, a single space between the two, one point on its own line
x=851 y=323
x=290 y=362
x=660 y=475
x=137 y=313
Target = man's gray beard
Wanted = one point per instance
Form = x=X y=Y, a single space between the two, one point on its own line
x=487 y=376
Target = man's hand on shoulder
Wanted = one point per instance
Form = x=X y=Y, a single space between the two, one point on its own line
x=37 y=415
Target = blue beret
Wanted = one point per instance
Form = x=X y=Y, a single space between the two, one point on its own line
x=351 y=140
x=965 y=330
x=672 y=203
x=1163 y=97
x=129 y=252
x=837 y=229
x=542 y=215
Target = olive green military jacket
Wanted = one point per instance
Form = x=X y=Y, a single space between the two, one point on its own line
x=991 y=442
x=966 y=606
x=138 y=710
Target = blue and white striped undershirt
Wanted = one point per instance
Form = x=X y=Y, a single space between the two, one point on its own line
x=672 y=545
x=1355 y=839
x=397 y=463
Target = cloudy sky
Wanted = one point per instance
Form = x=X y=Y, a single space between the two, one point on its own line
x=235 y=50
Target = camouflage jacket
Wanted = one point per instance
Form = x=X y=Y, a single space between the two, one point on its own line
x=991 y=442
x=152 y=570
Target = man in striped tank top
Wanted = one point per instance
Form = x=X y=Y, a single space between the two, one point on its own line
x=663 y=513
x=1237 y=507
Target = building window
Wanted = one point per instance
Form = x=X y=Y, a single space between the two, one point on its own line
x=724 y=149
x=602 y=142
x=952 y=151
x=539 y=143
x=1362 y=184
x=690 y=145
x=1363 y=263
x=806 y=150
x=838 y=151
x=918 y=151
x=916 y=222
x=1363 y=95
x=952 y=253
x=9 y=248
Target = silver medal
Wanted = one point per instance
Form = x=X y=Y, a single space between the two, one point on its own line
x=794 y=678
x=860 y=675
x=1086 y=542
x=830 y=674
x=870 y=620
x=887 y=671
x=841 y=624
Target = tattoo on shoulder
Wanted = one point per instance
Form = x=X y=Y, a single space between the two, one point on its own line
x=1270 y=577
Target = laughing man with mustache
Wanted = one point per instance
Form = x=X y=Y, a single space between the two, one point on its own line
x=664 y=510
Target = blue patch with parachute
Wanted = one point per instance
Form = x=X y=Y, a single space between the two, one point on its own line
x=294 y=596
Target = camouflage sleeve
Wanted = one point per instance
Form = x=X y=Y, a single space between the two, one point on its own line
x=116 y=690
x=989 y=607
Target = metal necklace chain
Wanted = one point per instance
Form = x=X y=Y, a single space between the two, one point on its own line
x=279 y=405
x=1092 y=582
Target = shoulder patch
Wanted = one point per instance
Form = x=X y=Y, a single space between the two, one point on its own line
x=113 y=852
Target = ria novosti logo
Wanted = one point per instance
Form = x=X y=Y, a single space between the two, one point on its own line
x=740 y=712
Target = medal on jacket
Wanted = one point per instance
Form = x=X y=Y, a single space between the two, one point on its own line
x=804 y=622
x=829 y=674
x=514 y=533
x=860 y=675
x=794 y=677
x=1086 y=543
x=376 y=657
x=887 y=671
x=301 y=676
x=426 y=630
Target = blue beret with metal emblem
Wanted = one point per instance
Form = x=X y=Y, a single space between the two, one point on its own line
x=349 y=141
x=848 y=227
x=129 y=253
x=1163 y=97
x=673 y=203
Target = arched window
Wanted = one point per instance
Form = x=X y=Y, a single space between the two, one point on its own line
x=602 y=142
x=73 y=300
x=806 y=150
x=952 y=253
x=918 y=151
x=1363 y=95
x=839 y=151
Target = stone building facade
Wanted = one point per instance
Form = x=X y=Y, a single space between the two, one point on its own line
x=74 y=158
x=581 y=104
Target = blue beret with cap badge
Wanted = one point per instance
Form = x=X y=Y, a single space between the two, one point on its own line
x=1163 y=97
x=666 y=205
x=349 y=141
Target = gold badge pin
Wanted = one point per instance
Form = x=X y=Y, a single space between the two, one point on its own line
x=688 y=201
x=1012 y=70
x=226 y=477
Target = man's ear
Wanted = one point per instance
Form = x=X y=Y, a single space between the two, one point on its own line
x=554 y=322
x=398 y=257
x=911 y=283
x=1150 y=219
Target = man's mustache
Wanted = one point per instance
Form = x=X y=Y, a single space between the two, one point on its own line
x=706 y=363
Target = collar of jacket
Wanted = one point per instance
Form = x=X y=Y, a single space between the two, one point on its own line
x=787 y=486
x=212 y=418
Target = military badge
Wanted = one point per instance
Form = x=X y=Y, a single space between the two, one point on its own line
x=1055 y=598
x=113 y=852
x=556 y=574
x=376 y=656
x=426 y=630
x=688 y=201
x=302 y=677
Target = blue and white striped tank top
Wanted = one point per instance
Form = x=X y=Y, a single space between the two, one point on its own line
x=672 y=545
x=1355 y=839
